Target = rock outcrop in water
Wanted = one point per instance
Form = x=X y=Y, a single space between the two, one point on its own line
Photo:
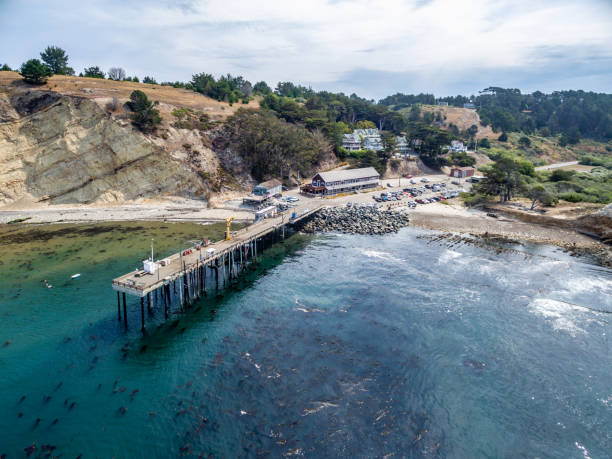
x=361 y=220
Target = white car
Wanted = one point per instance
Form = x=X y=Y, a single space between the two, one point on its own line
x=293 y=199
x=424 y=180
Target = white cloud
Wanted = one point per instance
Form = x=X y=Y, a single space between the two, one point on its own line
x=320 y=41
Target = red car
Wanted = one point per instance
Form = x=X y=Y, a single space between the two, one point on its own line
x=409 y=176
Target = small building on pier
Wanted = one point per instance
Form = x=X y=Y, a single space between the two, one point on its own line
x=269 y=188
x=343 y=181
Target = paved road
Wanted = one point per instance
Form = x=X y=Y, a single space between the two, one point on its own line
x=556 y=166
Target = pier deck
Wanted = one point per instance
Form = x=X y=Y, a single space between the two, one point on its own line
x=139 y=284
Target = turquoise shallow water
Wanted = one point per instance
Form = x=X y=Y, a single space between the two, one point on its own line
x=336 y=346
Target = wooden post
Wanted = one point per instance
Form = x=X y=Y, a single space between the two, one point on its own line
x=180 y=293
x=142 y=313
x=119 y=306
x=204 y=279
x=124 y=311
x=166 y=299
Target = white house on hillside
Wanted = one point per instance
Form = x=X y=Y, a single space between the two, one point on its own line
x=366 y=139
x=457 y=147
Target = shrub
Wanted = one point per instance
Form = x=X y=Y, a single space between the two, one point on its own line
x=93 y=72
x=35 y=72
x=113 y=105
x=144 y=115
x=524 y=141
x=503 y=137
x=484 y=143
x=560 y=175
x=472 y=199
x=573 y=196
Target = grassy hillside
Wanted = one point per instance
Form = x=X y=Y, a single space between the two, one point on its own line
x=546 y=150
x=103 y=91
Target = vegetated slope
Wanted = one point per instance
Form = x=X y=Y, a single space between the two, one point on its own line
x=71 y=141
x=60 y=147
x=463 y=118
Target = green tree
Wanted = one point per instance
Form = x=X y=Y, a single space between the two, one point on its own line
x=563 y=141
x=560 y=175
x=573 y=136
x=57 y=60
x=5 y=68
x=524 y=142
x=545 y=132
x=365 y=124
x=503 y=137
x=35 y=72
x=539 y=194
x=135 y=80
x=503 y=178
x=93 y=72
x=144 y=114
x=261 y=87
x=484 y=143
x=149 y=80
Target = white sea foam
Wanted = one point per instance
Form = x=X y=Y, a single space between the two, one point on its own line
x=451 y=255
x=564 y=316
x=381 y=255
x=318 y=407
x=584 y=450
x=588 y=284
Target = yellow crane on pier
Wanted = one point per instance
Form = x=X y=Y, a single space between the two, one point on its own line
x=228 y=224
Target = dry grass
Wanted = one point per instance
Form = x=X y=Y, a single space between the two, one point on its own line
x=102 y=91
x=463 y=118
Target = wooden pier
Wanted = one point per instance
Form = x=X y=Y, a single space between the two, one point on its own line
x=187 y=275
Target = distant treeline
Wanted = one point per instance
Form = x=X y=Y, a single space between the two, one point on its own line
x=573 y=114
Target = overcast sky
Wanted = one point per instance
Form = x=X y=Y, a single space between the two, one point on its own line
x=373 y=48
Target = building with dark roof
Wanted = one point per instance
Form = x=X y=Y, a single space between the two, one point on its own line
x=343 y=181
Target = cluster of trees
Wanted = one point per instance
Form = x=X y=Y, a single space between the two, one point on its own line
x=399 y=100
x=511 y=176
x=54 y=62
x=227 y=88
x=571 y=114
x=271 y=146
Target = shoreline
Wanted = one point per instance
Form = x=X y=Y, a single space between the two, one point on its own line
x=477 y=223
x=449 y=218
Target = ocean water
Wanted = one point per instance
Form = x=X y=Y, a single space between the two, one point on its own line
x=334 y=346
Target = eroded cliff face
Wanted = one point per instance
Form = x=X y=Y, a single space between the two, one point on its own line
x=66 y=149
x=599 y=223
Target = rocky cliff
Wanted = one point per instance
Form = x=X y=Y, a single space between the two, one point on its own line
x=72 y=149
x=67 y=149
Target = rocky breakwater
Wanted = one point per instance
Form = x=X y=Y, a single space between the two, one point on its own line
x=361 y=220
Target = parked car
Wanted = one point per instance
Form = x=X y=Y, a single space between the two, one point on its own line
x=278 y=195
x=293 y=199
x=424 y=180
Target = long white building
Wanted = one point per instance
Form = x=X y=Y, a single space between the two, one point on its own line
x=343 y=181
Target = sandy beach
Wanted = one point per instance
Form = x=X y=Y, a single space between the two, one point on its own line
x=173 y=211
